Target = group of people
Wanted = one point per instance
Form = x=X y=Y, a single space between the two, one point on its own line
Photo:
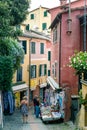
x=25 y=108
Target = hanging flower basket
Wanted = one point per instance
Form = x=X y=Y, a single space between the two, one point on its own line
x=78 y=61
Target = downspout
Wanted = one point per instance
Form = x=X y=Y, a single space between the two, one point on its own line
x=60 y=56
x=29 y=66
x=84 y=43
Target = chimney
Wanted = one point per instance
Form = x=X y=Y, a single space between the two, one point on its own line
x=63 y=2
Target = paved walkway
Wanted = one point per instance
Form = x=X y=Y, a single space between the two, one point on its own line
x=14 y=122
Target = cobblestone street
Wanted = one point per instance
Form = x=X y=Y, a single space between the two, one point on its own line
x=14 y=122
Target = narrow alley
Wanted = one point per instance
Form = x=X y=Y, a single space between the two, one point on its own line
x=14 y=122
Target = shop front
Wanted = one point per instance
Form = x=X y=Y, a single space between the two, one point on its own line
x=20 y=91
x=53 y=107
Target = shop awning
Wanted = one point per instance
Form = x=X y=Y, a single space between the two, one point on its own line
x=43 y=85
x=20 y=87
x=52 y=83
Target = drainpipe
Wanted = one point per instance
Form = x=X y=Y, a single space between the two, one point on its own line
x=84 y=49
x=84 y=42
x=29 y=67
x=60 y=56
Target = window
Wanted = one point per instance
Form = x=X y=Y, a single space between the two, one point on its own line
x=55 y=34
x=44 y=26
x=42 y=70
x=20 y=42
x=32 y=16
x=33 y=71
x=33 y=49
x=19 y=74
x=45 y=13
x=45 y=69
x=54 y=69
x=48 y=72
x=27 y=27
x=41 y=48
x=49 y=55
x=24 y=46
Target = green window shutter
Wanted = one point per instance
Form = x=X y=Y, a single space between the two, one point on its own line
x=40 y=70
x=41 y=48
x=33 y=47
x=45 y=69
x=48 y=72
x=27 y=27
x=45 y=13
x=49 y=55
x=32 y=16
x=44 y=26
x=19 y=74
x=35 y=71
x=24 y=44
x=31 y=71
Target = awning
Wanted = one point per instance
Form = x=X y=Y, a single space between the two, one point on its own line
x=20 y=87
x=52 y=83
x=43 y=85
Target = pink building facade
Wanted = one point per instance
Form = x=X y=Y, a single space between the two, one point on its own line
x=67 y=36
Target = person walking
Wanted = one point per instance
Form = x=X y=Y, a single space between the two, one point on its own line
x=34 y=103
x=24 y=109
x=37 y=107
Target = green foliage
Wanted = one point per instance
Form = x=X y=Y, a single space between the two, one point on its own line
x=12 y=13
x=6 y=73
x=10 y=47
x=78 y=61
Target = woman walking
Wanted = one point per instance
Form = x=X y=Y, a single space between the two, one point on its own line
x=24 y=109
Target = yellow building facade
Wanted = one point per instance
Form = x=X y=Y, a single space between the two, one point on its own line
x=39 y=19
x=82 y=120
x=29 y=81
